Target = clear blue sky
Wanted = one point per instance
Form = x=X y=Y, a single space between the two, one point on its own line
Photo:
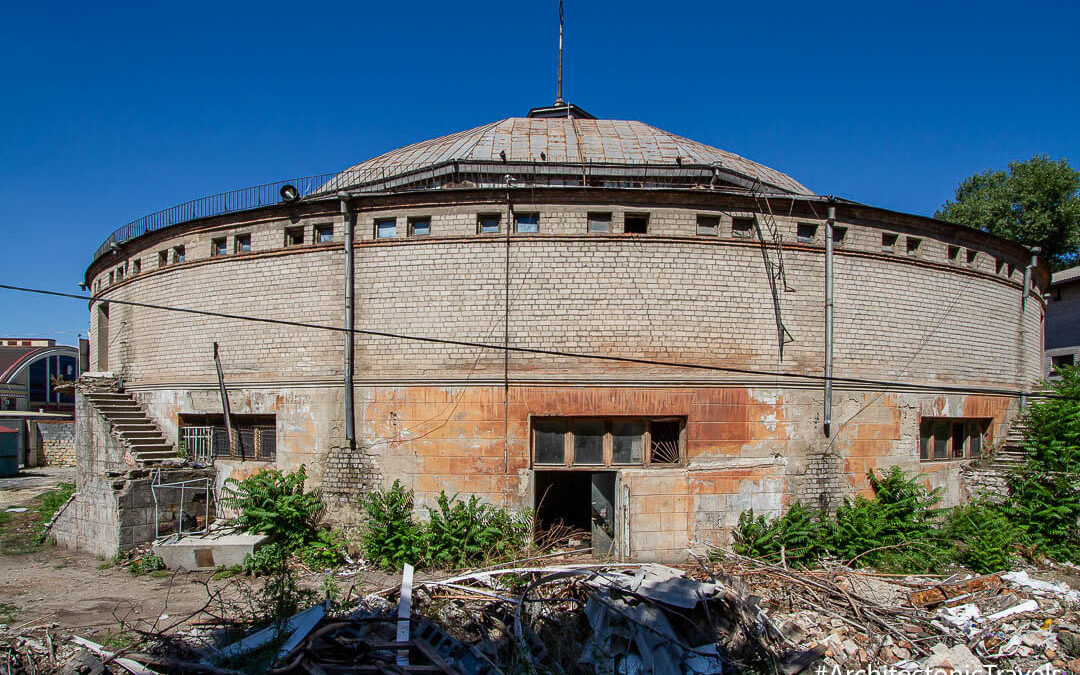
x=113 y=110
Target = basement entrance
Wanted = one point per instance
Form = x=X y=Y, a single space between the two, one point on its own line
x=579 y=508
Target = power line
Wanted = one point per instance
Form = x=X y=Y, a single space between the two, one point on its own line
x=539 y=351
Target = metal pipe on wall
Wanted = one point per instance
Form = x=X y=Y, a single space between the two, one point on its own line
x=829 y=223
x=350 y=434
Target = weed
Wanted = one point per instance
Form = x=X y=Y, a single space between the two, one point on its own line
x=274 y=503
x=797 y=538
x=119 y=640
x=985 y=537
x=1044 y=492
x=107 y=565
x=457 y=533
x=47 y=506
x=150 y=562
x=8 y=613
x=391 y=535
x=223 y=572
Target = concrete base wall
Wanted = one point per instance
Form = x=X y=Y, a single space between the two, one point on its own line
x=746 y=446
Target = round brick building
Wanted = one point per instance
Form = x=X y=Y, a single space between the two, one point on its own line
x=521 y=251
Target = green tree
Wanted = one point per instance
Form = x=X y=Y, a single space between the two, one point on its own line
x=1035 y=203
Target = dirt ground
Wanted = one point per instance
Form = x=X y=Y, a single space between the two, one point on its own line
x=42 y=585
x=45 y=585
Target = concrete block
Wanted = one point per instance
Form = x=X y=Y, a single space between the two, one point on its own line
x=203 y=552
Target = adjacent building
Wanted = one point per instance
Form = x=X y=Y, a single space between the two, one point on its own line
x=1063 y=320
x=37 y=378
x=620 y=327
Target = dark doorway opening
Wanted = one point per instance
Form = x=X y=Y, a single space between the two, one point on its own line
x=577 y=508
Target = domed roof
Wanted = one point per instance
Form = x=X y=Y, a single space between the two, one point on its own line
x=575 y=141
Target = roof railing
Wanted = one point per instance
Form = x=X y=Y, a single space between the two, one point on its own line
x=447 y=175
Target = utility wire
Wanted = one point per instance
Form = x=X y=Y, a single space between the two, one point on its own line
x=539 y=351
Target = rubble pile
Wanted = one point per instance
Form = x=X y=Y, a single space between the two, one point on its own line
x=737 y=615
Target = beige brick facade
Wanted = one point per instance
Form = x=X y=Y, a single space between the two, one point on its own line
x=438 y=416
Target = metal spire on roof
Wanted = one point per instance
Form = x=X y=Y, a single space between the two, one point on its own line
x=558 y=86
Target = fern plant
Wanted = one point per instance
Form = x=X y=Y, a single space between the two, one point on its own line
x=391 y=536
x=797 y=537
x=897 y=530
x=984 y=536
x=274 y=503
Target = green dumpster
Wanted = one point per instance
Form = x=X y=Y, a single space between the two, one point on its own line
x=9 y=452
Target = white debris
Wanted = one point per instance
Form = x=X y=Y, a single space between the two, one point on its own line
x=1039 y=587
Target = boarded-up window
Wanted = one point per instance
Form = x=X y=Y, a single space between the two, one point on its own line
x=742 y=228
x=708 y=226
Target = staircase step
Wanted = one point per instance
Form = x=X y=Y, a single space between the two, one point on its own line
x=125 y=414
x=158 y=449
x=125 y=426
x=146 y=440
x=150 y=432
x=154 y=454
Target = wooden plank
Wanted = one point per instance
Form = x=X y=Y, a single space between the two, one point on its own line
x=404 y=612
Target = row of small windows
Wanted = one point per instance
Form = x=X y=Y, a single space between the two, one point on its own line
x=598 y=222
x=913 y=246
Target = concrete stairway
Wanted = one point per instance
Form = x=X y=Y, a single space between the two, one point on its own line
x=135 y=429
x=1011 y=453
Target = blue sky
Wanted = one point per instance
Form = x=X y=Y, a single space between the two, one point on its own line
x=115 y=110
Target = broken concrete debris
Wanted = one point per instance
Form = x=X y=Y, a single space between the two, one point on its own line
x=739 y=615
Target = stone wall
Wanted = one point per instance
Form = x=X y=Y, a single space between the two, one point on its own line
x=55 y=443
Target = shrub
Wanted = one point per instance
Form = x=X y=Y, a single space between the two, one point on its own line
x=897 y=530
x=459 y=533
x=984 y=536
x=456 y=534
x=1044 y=492
x=325 y=550
x=274 y=503
x=391 y=536
x=797 y=537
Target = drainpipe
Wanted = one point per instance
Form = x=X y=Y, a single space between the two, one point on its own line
x=350 y=433
x=829 y=222
x=1028 y=281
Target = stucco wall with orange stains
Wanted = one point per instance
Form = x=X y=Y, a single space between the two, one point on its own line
x=746 y=447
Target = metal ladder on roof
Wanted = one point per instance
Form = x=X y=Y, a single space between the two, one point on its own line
x=772 y=246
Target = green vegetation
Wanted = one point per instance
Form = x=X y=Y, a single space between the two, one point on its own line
x=1044 y=492
x=898 y=530
x=1036 y=203
x=274 y=503
x=149 y=563
x=901 y=530
x=24 y=532
x=458 y=533
x=8 y=613
x=391 y=536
